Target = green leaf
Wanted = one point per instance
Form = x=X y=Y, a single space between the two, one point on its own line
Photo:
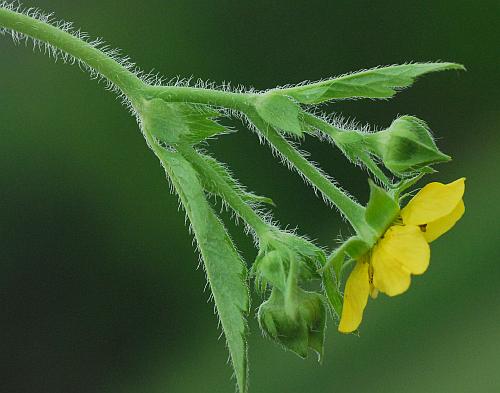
x=180 y=122
x=382 y=82
x=381 y=209
x=280 y=112
x=224 y=172
x=225 y=269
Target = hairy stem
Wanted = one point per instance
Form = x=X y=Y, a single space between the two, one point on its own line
x=221 y=98
x=352 y=210
x=136 y=90
x=124 y=79
x=336 y=135
x=240 y=207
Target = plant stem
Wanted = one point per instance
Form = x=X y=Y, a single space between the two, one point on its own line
x=240 y=207
x=102 y=63
x=336 y=134
x=225 y=99
x=136 y=90
x=352 y=210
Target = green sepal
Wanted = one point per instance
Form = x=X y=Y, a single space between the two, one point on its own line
x=356 y=247
x=283 y=257
x=400 y=187
x=298 y=332
x=225 y=173
x=381 y=209
x=179 y=122
x=406 y=147
x=311 y=255
x=280 y=112
x=331 y=287
x=331 y=273
x=430 y=170
x=272 y=268
x=382 y=82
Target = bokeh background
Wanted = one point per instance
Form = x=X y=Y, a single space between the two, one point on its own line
x=99 y=286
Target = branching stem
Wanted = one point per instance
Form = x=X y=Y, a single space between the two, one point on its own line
x=240 y=207
x=225 y=99
x=138 y=91
x=352 y=210
x=336 y=135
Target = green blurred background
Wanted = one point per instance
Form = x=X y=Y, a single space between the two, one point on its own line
x=99 y=290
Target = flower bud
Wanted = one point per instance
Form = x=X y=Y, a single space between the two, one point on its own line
x=297 y=322
x=406 y=146
x=286 y=257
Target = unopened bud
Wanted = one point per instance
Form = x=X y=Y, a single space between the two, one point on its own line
x=406 y=146
x=298 y=326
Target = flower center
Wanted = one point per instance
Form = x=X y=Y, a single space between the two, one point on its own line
x=370 y=274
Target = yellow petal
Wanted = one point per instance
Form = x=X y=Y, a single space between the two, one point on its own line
x=407 y=244
x=436 y=228
x=434 y=201
x=388 y=274
x=355 y=298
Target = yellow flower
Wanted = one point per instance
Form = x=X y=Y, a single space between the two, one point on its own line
x=403 y=250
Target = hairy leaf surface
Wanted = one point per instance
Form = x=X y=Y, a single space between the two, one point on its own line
x=224 y=173
x=280 y=112
x=180 y=122
x=381 y=82
x=226 y=271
